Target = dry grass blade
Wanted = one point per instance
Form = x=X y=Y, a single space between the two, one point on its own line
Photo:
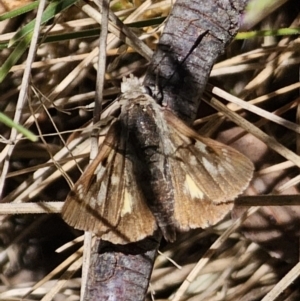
x=23 y=92
x=210 y=252
x=73 y=262
x=250 y=128
x=130 y=39
x=31 y=208
x=72 y=269
x=287 y=280
x=260 y=112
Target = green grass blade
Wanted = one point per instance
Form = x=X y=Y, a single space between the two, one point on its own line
x=10 y=123
x=14 y=56
x=269 y=32
x=19 y=11
x=52 y=9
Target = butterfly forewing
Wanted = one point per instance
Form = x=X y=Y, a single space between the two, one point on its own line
x=112 y=205
x=89 y=193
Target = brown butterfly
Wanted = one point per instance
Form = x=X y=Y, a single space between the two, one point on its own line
x=153 y=171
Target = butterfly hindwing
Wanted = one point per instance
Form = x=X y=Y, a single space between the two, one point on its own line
x=192 y=208
x=206 y=175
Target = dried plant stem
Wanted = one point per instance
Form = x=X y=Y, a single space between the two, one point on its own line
x=256 y=110
x=206 y=257
x=23 y=93
x=255 y=131
x=283 y=283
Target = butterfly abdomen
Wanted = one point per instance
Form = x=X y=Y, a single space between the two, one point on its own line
x=144 y=133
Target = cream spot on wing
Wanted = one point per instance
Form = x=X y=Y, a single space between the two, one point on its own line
x=114 y=180
x=127 y=204
x=226 y=155
x=99 y=172
x=221 y=169
x=209 y=167
x=193 y=160
x=201 y=146
x=101 y=197
x=92 y=202
x=80 y=191
x=193 y=189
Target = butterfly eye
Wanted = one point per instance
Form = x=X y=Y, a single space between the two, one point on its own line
x=148 y=90
x=155 y=92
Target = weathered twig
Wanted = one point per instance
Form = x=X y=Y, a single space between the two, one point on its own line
x=195 y=34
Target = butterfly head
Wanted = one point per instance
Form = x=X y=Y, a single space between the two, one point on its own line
x=131 y=87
